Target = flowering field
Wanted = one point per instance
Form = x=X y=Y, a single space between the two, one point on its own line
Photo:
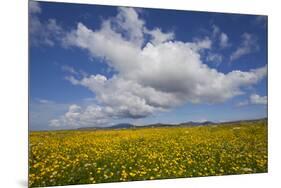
x=96 y=156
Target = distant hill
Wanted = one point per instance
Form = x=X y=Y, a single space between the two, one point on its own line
x=185 y=124
x=192 y=123
x=122 y=126
x=117 y=126
x=243 y=121
x=157 y=125
x=88 y=128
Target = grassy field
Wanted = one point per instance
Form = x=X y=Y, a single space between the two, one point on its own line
x=82 y=157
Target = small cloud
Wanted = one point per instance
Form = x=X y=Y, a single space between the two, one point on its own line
x=215 y=58
x=256 y=99
x=201 y=120
x=224 y=40
x=76 y=116
x=248 y=45
x=54 y=123
x=73 y=73
x=220 y=36
x=69 y=69
x=89 y=100
x=253 y=99
x=34 y=7
x=44 y=101
x=83 y=73
x=261 y=20
x=42 y=33
x=221 y=41
x=201 y=44
x=216 y=30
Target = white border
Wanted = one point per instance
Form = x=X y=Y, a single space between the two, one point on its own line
x=13 y=82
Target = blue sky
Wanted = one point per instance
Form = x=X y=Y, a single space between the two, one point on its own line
x=93 y=65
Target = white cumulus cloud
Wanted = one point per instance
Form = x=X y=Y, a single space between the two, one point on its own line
x=78 y=117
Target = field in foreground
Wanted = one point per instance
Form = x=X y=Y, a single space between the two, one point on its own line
x=81 y=157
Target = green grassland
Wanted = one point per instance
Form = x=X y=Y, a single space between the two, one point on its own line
x=96 y=156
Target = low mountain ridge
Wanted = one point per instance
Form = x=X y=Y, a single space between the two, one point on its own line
x=185 y=124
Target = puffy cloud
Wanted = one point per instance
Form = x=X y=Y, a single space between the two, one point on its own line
x=42 y=33
x=256 y=99
x=168 y=67
x=155 y=76
x=248 y=45
x=77 y=117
